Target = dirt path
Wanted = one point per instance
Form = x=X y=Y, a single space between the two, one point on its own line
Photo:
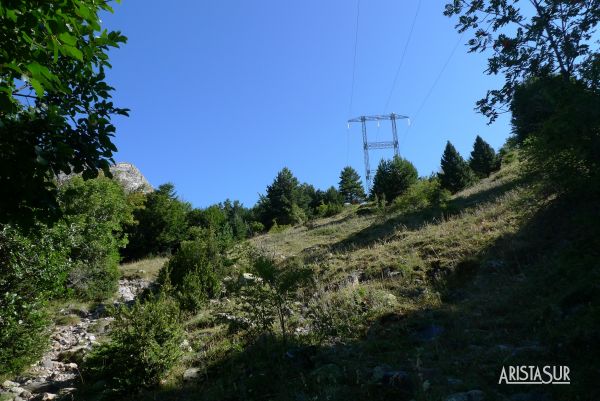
x=56 y=375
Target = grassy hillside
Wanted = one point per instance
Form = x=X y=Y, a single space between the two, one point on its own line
x=423 y=305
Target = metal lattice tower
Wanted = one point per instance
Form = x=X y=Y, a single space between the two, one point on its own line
x=377 y=145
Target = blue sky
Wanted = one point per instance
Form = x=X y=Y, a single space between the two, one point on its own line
x=223 y=94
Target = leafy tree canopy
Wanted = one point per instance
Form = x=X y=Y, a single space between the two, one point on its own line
x=55 y=107
x=530 y=39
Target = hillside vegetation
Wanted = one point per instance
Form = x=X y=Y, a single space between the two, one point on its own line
x=417 y=305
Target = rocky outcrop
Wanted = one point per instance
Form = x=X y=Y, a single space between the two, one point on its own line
x=130 y=177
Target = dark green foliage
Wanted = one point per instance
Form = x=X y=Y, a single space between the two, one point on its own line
x=557 y=125
x=162 y=224
x=281 y=202
x=483 y=161
x=96 y=212
x=193 y=272
x=229 y=218
x=350 y=186
x=393 y=178
x=272 y=292
x=455 y=174
x=549 y=37
x=34 y=269
x=145 y=344
x=55 y=106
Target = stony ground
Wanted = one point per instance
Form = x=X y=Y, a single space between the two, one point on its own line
x=56 y=375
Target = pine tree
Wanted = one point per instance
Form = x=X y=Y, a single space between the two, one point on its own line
x=393 y=178
x=350 y=186
x=483 y=159
x=282 y=200
x=455 y=174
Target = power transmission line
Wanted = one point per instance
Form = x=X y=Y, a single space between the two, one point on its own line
x=412 y=27
x=354 y=58
x=353 y=79
x=435 y=82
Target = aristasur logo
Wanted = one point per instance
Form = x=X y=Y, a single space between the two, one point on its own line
x=535 y=375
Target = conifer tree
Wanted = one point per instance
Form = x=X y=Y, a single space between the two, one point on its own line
x=350 y=186
x=455 y=174
x=282 y=200
x=483 y=159
x=393 y=178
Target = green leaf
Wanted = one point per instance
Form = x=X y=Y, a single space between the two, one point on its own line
x=84 y=12
x=72 y=51
x=67 y=39
x=37 y=86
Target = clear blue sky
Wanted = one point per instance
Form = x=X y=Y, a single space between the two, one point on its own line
x=223 y=94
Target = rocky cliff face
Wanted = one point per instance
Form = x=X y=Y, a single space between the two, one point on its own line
x=126 y=174
x=130 y=177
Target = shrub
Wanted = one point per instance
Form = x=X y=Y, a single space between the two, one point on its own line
x=271 y=295
x=345 y=313
x=95 y=211
x=194 y=273
x=329 y=209
x=422 y=195
x=145 y=344
x=34 y=269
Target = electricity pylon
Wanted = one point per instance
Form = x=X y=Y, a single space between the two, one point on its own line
x=377 y=145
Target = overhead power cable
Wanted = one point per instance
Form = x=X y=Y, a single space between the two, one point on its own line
x=353 y=79
x=412 y=27
x=354 y=58
x=435 y=82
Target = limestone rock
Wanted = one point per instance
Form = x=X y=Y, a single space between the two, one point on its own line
x=130 y=177
x=191 y=374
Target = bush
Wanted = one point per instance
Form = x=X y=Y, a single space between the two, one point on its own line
x=270 y=296
x=422 y=195
x=329 y=209
x=194 y=273
x=96 y=211
x=145 y=344
x=34 y=269
x=345 y=313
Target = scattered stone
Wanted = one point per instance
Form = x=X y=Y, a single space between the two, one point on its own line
x=7 y=384
x=66 y=390
x=17 y=390
x=48 y=396
x=191 y=374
